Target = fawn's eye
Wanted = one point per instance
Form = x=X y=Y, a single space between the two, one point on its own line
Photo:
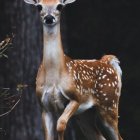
x=59 y=7
x=39 y=7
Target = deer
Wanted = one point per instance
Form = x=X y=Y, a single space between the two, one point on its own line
x=66 y=87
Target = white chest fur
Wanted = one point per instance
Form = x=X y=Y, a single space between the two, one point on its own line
x=53 y=99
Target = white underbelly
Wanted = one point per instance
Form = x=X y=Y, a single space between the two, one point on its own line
x=85 y=106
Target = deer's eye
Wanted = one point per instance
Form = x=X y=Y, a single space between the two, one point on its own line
x=59 y=7
x=39 y=7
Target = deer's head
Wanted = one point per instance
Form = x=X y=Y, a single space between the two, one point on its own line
x=50 y=10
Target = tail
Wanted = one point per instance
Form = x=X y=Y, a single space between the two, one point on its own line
x=114 y=61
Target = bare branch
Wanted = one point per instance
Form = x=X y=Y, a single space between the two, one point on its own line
x=4 y=114
x=8 y=102
x=4 y=45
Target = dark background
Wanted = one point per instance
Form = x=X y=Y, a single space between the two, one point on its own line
x=90 y=29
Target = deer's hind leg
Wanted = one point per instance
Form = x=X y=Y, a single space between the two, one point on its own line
x=107 y=105
x=108 y=125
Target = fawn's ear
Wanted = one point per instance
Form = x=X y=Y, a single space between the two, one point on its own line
x=68 y=1
x=31 y=1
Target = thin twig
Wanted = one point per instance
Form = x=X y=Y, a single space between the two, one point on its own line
x=13 y=100
x=4 y=114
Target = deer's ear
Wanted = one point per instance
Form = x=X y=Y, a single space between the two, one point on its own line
x=68 y=1
x=31 y=1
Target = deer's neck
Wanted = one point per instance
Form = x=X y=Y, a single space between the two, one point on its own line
x=53 y=56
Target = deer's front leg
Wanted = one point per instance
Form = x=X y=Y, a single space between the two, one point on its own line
x=44 y=125
x=64 y=118
x=48 y=125
x=40 y=81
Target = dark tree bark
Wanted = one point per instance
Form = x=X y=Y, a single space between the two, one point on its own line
x=24 y=122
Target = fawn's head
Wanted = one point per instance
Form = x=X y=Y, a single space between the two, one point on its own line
x=50 y=10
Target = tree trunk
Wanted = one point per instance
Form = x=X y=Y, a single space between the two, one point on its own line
x=24 y=122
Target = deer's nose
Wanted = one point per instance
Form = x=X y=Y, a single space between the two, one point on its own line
x=49 y=19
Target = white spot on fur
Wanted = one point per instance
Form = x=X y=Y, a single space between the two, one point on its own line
x=106 y=99
x=84 y=71
x=113 y=84
x=104 y=76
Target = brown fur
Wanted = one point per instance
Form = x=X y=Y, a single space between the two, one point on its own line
x=105 y=97
x=49 y=1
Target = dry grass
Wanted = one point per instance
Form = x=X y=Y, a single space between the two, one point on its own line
x=4 y=45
